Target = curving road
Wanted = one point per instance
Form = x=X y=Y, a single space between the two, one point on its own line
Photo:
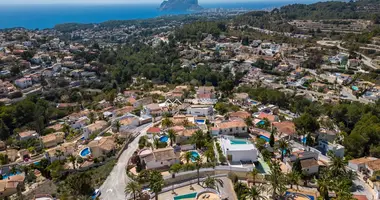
x=113 y=187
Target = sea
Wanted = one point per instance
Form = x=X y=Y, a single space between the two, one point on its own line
x=48 y=15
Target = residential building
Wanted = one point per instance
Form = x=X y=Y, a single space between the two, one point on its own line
x=184 y=135
x=53 y=139
x=373 y=167
x=94 y=128
x=310 y=166
x=285 y=128
x=269 y=117
x=359 y=164
x=238 y=150
x=128 y=123
x=200 y=110
x=159 y=158
x=336 y=149
x=152 y=110
x=80 y=123
x=101 y=146
x=232 y=127
x=26 y=135
x=55 y=153
x=239 y=115
x=23 y=82
x=11 y=185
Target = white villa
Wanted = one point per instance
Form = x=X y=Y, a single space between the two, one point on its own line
x=238 y=150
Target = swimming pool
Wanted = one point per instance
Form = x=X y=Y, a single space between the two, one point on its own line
x=164 y=138
x=200 y=121
x=86 y=151
x=186 y=196
x=239 y=141
x=309 y=197
x=262 y=122
x=194 y=155
x=263 y=137
x=10 y=174
x=355 y=88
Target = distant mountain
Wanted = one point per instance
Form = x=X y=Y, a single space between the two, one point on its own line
x=190 y=5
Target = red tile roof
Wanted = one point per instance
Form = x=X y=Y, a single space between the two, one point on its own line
x=153 y=130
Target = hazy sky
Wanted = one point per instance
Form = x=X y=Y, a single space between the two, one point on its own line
x=122 y=1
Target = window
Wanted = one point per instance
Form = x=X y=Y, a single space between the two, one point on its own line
x=230 y=129
x=243 y=129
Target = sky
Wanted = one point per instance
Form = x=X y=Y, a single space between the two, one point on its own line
x=123 y=1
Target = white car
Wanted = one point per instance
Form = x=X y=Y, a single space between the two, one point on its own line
x=96 y=194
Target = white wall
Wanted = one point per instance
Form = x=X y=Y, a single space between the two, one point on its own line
x=206 y=111
x=244 y=155
x=158 y=164
x=311 y=170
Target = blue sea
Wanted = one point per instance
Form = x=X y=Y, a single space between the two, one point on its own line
x=47 y=16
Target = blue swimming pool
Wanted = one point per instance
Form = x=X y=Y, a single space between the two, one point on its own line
x=239 y=141
x=186 y=196
x=304 y=140
x=355 y=88
x=86 y=151
x=299 y=194
x=200 y=121
x=194 y=155
x=265 y=138
x=164 y=138
x=262 y=122
x=10 y=174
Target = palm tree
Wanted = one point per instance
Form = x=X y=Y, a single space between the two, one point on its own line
x=324 y=184
x=283 y=145
x=199 y=139
x=58 y=153
x=117 y=126
x=293 y=178
x=212 y=182
x=72 y=159
x=66 y=128
x=187 y=156
x=276 y=179
x=198 y=164
x=254 y=174
x=210 y=153
x=254 y=193
x=175 y=169
x=241 y=190
x=156 y=182
x=132 y=188
x=166 y=122
x=172 y=136
x=337 y=165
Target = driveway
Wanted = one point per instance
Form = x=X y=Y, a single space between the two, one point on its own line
x=113 y=187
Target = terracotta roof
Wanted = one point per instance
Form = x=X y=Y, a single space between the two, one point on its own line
x=126 y=121
x=97 y=125
x=308 y=163
x=164 y=154
x=56 y=127
x=188 y=132
x=231 y=124
x=51 y=137
x=153 y=106
x=153 y=130
x=362 y=160
x=240 y=114
x=105 y=143
x=27 y=133
x=360 y=197
x=270 y=117
x=374 y=165
x=286 y=127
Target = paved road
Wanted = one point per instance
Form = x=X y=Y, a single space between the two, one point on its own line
x=113 y=187
x=366 y=60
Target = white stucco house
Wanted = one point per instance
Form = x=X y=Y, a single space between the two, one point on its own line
x=238 y=150
x=200 y=110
